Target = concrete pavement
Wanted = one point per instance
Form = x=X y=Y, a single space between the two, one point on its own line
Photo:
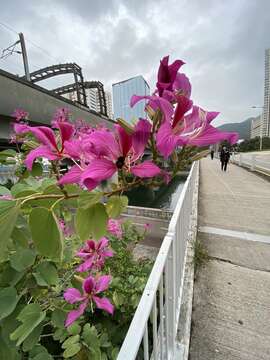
x=231 y=308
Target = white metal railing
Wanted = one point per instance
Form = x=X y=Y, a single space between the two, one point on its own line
x=153 y=329
x=252 y=161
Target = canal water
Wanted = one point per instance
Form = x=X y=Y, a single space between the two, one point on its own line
x=165 y=197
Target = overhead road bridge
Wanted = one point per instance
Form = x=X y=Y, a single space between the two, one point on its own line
x=16 y=92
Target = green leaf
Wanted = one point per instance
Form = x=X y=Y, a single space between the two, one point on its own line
x=37 y=169
x=39 y=352
x=20 y=188
x=9 y=276
x=47 y=272
x=4 y=191
x=70 y=341
x=90 y=336
x=8 y=216
x=91 y=222
x=72 y=350
x=8 y=301
x=87 y=198
x=115 y=352
x=22 y=259
x=31 y=316
x=33 y=338
x=74 y=329
x=46 y=233
x=58 y=318
x=116 y=205
x=20 y=236
x=43 y=356
x=7 y=352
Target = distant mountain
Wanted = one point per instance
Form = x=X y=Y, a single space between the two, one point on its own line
x=243 y=128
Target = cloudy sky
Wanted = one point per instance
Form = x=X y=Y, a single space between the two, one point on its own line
x=222 y=43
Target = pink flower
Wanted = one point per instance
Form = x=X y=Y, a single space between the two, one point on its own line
x=65 y=229
x=6 y=197
x=147 y=227
x=155 y=102
x=61 y=115
x=49 y=148
x=94 y=254
x=113 y=152
x=114 y=227
x=192 y=129
x=167 y=74
x=20 y=114
x=91 y=287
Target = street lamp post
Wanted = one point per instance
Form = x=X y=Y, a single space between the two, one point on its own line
x=261 y=127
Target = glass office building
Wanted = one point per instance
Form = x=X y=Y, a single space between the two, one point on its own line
x=122 y=92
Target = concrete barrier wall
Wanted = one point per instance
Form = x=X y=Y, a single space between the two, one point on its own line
x=39 y=102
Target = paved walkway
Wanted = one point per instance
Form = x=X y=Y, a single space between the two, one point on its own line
x=231 y=310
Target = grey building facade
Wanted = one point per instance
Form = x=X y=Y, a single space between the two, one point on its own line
x=266 y=108
x=122 y=93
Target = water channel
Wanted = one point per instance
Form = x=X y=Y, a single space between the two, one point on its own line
x=163 y=198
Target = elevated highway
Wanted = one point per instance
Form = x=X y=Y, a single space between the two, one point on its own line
x=41 y=104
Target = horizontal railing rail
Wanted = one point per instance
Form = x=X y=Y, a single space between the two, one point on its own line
x=252 y=162
x=152 y=332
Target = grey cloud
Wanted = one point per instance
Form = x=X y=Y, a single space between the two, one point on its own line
x=222 y=43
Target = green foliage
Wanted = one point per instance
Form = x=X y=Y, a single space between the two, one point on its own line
x=8 y=215
x=87 y=199
x=31 y=316
x=116 y=205
x=8 y=301
x=254 y=144
x=22 y=259
x=37 y=264
x=92 y=222
x=46 y=233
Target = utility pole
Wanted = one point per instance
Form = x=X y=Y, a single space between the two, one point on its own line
x=25 y=59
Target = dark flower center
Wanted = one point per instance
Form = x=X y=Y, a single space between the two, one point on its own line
x=120 y=162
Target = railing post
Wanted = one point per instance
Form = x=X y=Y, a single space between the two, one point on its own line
x=240 y=160
x=170 y=305
x=253 y=159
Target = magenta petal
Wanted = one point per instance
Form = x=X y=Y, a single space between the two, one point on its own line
x=166 y=140
x=155 y=102
x=72 y=176
x=167 y=74
x=145 y=169
x=141 y=136
x=125 y=140
x=102 y=143
x=102 y=283
x=211 y=135
x=20 y=128
x=98 y=170
x=182 y=85
x=89 y=284
x=40 y=151
x=107 y=253
x=87 y=265
x=73 y=295
x=66 y=130
x=44 y=134
x=103 y=242
x=104 y=304
x=211 y=115
x=72 y=148
x=183 y=105
x=75 y=314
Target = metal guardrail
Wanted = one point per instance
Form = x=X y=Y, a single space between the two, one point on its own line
x=252 y=162
x=153 y=329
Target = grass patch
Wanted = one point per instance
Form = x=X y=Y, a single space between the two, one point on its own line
x=200 y=254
